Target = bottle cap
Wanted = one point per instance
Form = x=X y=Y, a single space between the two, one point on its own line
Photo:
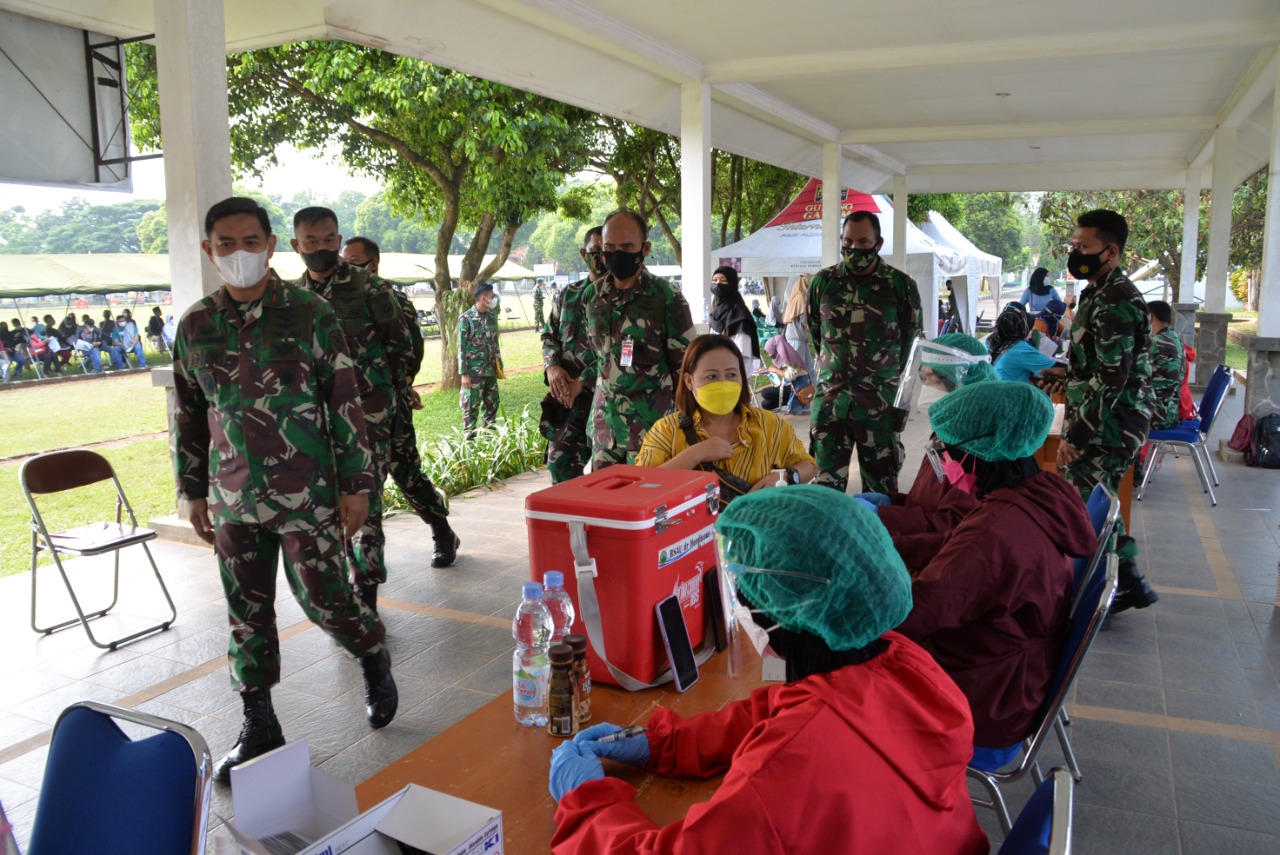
x=560 y=654
x=553 y=579
x=532 y=591
x=578 y=643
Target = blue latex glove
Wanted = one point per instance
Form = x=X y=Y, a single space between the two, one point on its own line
x=866 y=504
x=571 y=767
x=874 y=498
x=634 y=750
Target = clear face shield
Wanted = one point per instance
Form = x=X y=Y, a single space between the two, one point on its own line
x=739 y=614
x=931 y=371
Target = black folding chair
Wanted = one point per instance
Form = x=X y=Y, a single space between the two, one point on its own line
x=62 y=471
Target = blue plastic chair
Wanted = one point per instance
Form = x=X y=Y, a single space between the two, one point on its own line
x=1044 y=826
x=1091 y=610
x=1192 y=435
x=111 y=795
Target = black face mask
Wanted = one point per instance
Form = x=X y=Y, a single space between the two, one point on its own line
x=622 y=264
x=321 y=261
x=1084 y=265
x=721 y=290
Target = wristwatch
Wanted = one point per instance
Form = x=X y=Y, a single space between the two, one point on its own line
x=793 y=475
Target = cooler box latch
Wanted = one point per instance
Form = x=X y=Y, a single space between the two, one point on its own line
x=713 y=497
x=660 y=521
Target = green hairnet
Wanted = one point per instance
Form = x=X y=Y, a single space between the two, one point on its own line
x=819 y=532
x=994 y=421
x=975 y=373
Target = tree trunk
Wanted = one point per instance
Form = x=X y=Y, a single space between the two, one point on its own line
x=444 y=287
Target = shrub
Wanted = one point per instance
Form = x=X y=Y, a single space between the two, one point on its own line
x=456 y=464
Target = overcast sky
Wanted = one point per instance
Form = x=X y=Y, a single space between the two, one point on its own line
x=300 y=171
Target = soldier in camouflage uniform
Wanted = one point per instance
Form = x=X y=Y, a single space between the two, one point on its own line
x=404 y=458
x=638 y=326
x=479 y=359
x=383 y=352
x=539 y=300
x=863 y=318
x=1168 y=366
x=268 y=436
x=570 y=368
x=1108 y=381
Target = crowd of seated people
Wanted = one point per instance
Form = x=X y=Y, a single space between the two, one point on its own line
x=47 y=347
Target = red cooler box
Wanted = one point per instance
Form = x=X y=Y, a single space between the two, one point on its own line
x=650 y=534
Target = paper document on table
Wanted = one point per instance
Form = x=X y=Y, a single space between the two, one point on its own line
x=1059 y=413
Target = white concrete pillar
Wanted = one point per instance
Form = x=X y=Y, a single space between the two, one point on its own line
x=899 y=222
x=1190 y=237
x=695 y=197
x=191 y=59
x=831 y=156
x=1269 y=290
x=1224 y=185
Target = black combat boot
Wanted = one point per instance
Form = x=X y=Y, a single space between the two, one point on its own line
x=1132 y=589
x=446 y=543
x=261 y=733
x=368 y=594
x=380 y=696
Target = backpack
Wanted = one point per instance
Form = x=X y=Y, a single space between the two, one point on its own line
x=1244 y=438
x=1266 y=442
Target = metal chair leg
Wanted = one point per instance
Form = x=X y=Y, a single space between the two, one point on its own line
x=1068 y=754
x=1202 y=452
x=1204 y=446
x=1152 y=456
x=997 y=800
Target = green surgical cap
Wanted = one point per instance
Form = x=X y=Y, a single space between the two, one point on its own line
x=975 y=373
x=818 y=532
x=994 y=421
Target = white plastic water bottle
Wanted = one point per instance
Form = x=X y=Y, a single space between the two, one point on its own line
x=558 y=603
x=530 y=667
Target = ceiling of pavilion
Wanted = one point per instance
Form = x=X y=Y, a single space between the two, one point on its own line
x=1100 y=93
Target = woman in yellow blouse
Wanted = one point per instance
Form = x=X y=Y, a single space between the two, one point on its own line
x=715 y=427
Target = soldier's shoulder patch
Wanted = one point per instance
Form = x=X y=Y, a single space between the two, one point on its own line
x=383 y=305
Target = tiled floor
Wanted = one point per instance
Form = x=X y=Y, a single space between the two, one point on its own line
x=1176 y=719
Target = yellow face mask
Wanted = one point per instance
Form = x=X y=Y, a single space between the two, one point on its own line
x=719 y=397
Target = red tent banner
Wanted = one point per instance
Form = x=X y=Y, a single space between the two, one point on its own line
x=807 y=205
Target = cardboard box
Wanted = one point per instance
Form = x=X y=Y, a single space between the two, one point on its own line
x=284 y=805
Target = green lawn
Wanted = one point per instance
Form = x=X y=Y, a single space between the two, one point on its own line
x=127 y=405
x=65 y=415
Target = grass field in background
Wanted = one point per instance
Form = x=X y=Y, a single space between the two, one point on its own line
x=62 y=415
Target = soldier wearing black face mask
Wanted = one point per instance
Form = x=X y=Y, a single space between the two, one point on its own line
x=381 y=346
x=639 y=326
x=1108 y=381
x=863 y=318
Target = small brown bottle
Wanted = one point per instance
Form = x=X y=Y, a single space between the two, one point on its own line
x=562 y=694
x=582 y=674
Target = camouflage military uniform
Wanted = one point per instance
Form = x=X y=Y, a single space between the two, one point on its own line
x=862 y=328
x=539 y=300
x=650 y=319
x=1109 y=397
x=478 y=358
x=566 y=345
x=379 y=342
x=404 y=458
x=267 y=426
x=1168 y=365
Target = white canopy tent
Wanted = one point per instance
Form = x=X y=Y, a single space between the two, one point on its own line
x=980 y=266
x=791 y=244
